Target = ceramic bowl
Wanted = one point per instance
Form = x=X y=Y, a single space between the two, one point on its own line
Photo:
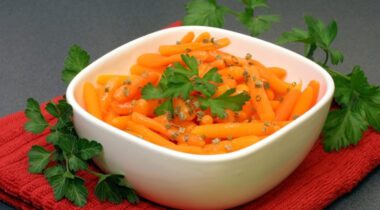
x=189 y=181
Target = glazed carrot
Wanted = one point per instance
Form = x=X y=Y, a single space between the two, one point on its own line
x=91 y=100
x=216 y=148
x=137 y=69
x=258 y=96
x=233 y=130
x=182 y=110
x=235 y=72
x=102 y=79
x=120 y=122
x=242 y=88
x=303 y=103
x=219 y=64
x=286 y=106
x=274 y=104
x=242 y=142
x=315 y=85
x=189 y=36
x=149 y=123
x=257 y=63
x=279 y=72
x=189 y=149
x=109 y=116
x=203 y=37
x=275 y=83
x=154 y=60
x=132 y=90
x=188 y=47
x=206 y=120
x=149 y=135
x=191 y=139
x=124 y=108
x=109 y=89
x=270 y=94
x=141 y=106
x=229 y=81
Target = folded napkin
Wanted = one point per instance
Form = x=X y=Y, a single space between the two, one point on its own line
x=320 y=179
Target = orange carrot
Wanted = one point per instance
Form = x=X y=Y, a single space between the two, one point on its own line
x=279 y=72
x=137 y=69
x=203 y=37
x=274 y=104
x=315 y=85
x=149 y=123
x=258 y=96
x=103 y=79
x=153 y=60
x=275 y=83
x=141 y=106
x=188 y=47
x=233 y=130
x=120 y=122
x=303 y=103
x=286 y=106
x=189 y=36
x=149 y=135
x=91 y=100
x=109 y=90
x=125 y=108
x=206 y=120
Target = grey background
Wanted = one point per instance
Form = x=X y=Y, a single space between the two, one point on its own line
x=35 y=36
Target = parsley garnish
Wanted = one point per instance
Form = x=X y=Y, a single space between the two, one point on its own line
x=179 y=81
x=359 y=100
x=71 y=154
x=210 y=13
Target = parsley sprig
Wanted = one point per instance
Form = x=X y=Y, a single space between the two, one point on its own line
x=71 y=153
x=179 y=81
x=358 y=100
x=210 y=13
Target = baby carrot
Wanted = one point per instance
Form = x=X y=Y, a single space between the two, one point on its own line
x=275 y=83
x=149 y=123
x=109 y=90
x=149 y=135
x=242 y=142
x=203 y=37
x=286 y=106
x=233 y=130
x=103 y=79
x=279 y=72
x=189 y=36
x=154 y=60
x=91 y=100
x=120 y=122
x=189 y=149
x=303 y=103
x=315 y=85
x=137 y=69
x=258 y=96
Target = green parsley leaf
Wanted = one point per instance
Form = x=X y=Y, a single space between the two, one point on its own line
x=165 y=107
x=255 y=3
x=225 y=101
x=259 y=24
x=58 y=181
x=38 y=159
x=336 y=57
x=75 y=62
x=111 y=187
x=36 y=121
x=203 y=84
x=76 y=191
x=295 y=35
x=88 y=149
x=53 y=171
x=191 y=62
x=343 y=128
x=151 y=92
x=204 y=12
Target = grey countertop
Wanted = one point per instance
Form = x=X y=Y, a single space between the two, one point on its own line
x=35 y=37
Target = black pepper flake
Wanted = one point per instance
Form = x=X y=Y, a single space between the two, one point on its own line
x=187 y=50
x=258 y=98
x=107 y=89
x=248 y=56
x=266 y=85
x=126 y=91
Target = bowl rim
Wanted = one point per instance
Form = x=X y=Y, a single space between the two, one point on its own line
x=187 y=156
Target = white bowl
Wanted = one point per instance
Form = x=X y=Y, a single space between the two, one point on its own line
x=189 y=181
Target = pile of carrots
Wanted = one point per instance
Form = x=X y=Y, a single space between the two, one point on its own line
x=116 y=99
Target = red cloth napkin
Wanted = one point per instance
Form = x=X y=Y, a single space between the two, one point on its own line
x=320 y=179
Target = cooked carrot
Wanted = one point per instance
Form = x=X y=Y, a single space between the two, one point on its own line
x=315 y=85
x=109 y=116
x=109 y=89
x=303 y=103
x=149 y=135
x=242 y=88
x=203 y=37
x=149 y=123
x=141 y=106
x=154 y=60
x=189 y=149
x=270 y=94
x=286 y=106
x=189 y=36
x=120 y=122
x=274 y=104
x=275 y=83
x=279 y=72
x=242 y=142
x=91 y=100
x=233 y=130
x=124 y=108
x=137 y=69
x=191 y=139
x=188 y=47
x=236 y=72
x=206 y=120
x=219 y=64
x=259 y=97
x=104 y=78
